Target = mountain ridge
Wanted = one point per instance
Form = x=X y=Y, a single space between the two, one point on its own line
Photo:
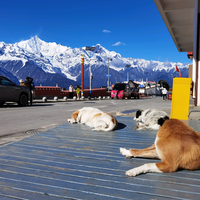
x=51 y=64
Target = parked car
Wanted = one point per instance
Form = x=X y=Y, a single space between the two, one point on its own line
x=118 y=90
x=9 y=91
x=125 y=90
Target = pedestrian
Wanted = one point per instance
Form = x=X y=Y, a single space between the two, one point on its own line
x=30 y=85
x=71 y=89
x=164 y=93
x=78 y=92
x=21 y=82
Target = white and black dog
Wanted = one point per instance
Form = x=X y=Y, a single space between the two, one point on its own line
x=148 y=119
x=95 y=118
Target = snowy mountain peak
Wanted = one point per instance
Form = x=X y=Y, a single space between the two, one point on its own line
x=50 y=63
x=99 y=49
x=32 y=45
x=2 y=44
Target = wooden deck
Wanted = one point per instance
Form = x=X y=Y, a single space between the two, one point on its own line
x=73 y=162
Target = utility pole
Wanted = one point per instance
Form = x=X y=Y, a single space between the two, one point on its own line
x=90 y=71
x=82 y=75
x=128 y=68
x=108 y=84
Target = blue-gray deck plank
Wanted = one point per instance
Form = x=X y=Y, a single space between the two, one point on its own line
x=73 y=162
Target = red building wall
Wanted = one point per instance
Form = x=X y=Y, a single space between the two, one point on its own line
x=50 y=92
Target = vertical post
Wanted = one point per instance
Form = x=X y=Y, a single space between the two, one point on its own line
x=180 y=98
x=196 y=51
x=90 y=80
x=82 y=75
x=90 y=75
x=108 y=75
x=128 y=66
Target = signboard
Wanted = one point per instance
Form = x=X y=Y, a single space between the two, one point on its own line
x=180 y=98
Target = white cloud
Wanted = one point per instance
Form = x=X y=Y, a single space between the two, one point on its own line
x=118 y=44
x=106 y=31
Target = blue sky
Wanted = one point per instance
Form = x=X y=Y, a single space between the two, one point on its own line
x=132 y=28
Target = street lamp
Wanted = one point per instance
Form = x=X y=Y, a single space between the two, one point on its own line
x=128 y=68
x=146 y=76
x=90 y=49
x=91 y=77
x=108 y=75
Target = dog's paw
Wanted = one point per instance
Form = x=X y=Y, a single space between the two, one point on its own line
x=69 y=120
x=131 y=172
x=140 y=124
x=125 y=152
x=96 y=129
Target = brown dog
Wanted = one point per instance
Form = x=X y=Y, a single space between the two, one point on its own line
x=176 y=144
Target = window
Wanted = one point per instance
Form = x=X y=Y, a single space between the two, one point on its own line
x=5 y=82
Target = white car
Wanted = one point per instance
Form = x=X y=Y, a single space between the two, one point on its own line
x=11 y=92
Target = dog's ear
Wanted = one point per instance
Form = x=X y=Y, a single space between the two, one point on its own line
x=162 y=120
x=138 y=113
x=166 y=117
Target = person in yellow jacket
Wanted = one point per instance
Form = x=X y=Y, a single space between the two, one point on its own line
x=78 y=92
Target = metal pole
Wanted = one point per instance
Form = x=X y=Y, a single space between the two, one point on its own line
x=128 y=66
x=90 y=82
x=108 y=75
x=91 y=77
x=82 y=61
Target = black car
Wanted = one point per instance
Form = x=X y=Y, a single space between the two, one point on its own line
x=11 y=92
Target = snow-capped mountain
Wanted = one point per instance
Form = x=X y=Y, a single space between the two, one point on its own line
x=50 y=64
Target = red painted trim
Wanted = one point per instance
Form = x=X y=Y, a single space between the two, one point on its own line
x=190 y=54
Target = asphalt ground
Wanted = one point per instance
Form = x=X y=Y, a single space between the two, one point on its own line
x=20 y=122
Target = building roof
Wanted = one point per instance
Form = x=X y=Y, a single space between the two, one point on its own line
x=178 y=16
